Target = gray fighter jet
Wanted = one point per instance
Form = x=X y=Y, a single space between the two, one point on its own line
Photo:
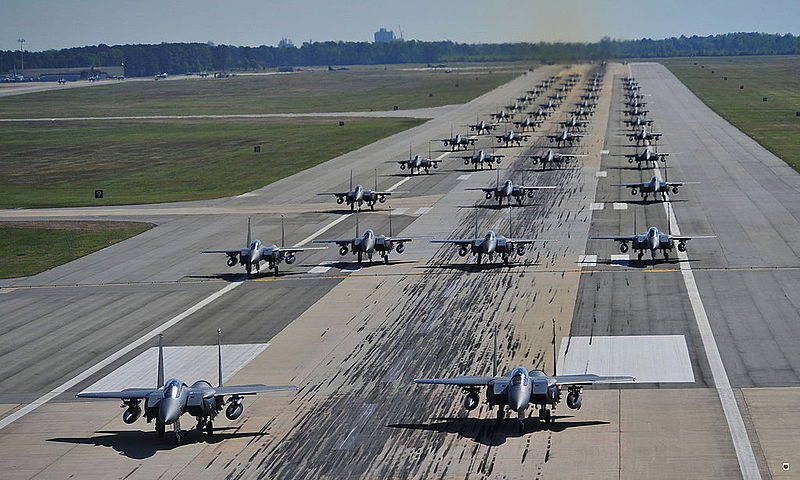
x=255 y=252
x=539 y=114
x=512 y=137
x=636 y=112
x=502 y=116
x=359 y=195
x=481 y=157
x=458 y=141
x=574 y=124
x=643 y=135
x=171 y=399
x=480 y=127
x=653 y=239
x=654 y=186
x=492 y=244
x=635 y=103
x=508 y=191
x=647 y=156
x=418 y=163
x=550 y=105
x=528 y=124
x=582 y=113
x=551 y=157
x=638 y=121
x=370 y=243
x=515 y=107
x=525 y=99
x=520 y=388
x=565 y=138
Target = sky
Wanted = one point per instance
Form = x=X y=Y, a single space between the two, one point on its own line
x=70 y=23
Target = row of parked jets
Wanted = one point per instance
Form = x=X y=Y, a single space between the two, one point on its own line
x=514 y=391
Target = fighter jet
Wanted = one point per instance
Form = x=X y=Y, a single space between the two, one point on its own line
x=357 y=196
x=480 y=157
x=490 y=244
x=512 y=137
x=643 y=135
x=514 y=107
x=370 y=243
x=480 y=127
x=171 y=399
x=636 y=112
x=254 y=252
x=418 y=163
x=589 y=96
x=638 y=122
x=556 y=98
x=520 y=388
x=525 y=99
x=539 y=113
x=653 y=239
x=535 y=91
x=565 y=137
x=587 y=104
x=508 y=191
x=635 y=103
x=550 y=157
x=582 y=113
x=655 y=186
x=528 y=124
x=574 y=124
x=550 y=105
x=458 y=141
x=502 y=116
x=646 y=156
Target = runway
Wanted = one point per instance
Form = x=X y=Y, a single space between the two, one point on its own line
x=353 y=339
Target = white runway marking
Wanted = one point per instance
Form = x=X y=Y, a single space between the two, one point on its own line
x=587 y=260
x=620 y=259
x=8 y=420
x=605 y=152
x=399 y=211
x=596 y=206
x=423 y=210
x=464 y=177
x=321 y=268
x=741 y=441
x=187 y=363
x=601 y=174
x=620 y=206
x=649 y=358
x=393 y=187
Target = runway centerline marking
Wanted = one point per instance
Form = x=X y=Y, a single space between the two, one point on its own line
x=741 y=441
x=13 y=417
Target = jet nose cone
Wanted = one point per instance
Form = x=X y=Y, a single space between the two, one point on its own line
x=169 y=411
x=518 y=402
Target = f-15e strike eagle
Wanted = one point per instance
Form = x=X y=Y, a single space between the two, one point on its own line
x=370 y=243
x=551 y=157
x=653 y=240
x=654 y=186
x=169 y=400
x=518 y=389
x=418 y=163
x=481 y=157
x=255 y=252
x=508 y=191
x=358 y=196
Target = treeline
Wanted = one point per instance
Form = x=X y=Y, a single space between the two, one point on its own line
x=176 y=58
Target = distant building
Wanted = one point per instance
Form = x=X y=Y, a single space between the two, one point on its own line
x=384 y=36
x=285 y=43
x=74 y=73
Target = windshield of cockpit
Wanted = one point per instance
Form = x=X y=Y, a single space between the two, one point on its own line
x=172 y=388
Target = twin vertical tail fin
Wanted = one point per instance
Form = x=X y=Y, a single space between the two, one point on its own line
x=249 y=233
x=160 y=381
x=555 y=353
x=494 y=353
x=283 y=233
x=219 y=352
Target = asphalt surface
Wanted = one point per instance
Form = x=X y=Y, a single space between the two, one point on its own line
x=353 y=338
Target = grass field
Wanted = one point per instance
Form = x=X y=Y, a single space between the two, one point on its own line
x=28 y=248
x=773 y=123
x=301 y=92
x=54 y=165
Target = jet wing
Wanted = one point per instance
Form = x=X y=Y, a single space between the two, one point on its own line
x=459 y=241
x=341 y=241
x=399 y=239
x=462 y=381
x=338 y=194
x=590 y=378
x=548 y=187
x=372 y=192
x=623 y=238
x=297 y=249
x=251 y=389
x=628 y=185
x=128 y=393
x=690 y=237
x=529 y=240
x=227 y=252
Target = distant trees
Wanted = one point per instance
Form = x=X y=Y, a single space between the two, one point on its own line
x=145 y=60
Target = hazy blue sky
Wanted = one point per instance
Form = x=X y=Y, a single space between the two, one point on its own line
x=66 y=23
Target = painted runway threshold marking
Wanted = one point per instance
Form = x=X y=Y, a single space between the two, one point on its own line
x=69 y=384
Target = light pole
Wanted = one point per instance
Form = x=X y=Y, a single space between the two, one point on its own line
x=22 y=54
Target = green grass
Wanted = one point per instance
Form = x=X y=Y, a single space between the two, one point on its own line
x=303 y=92
x=28 y=249
x=773 y=123
x=61 y=164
